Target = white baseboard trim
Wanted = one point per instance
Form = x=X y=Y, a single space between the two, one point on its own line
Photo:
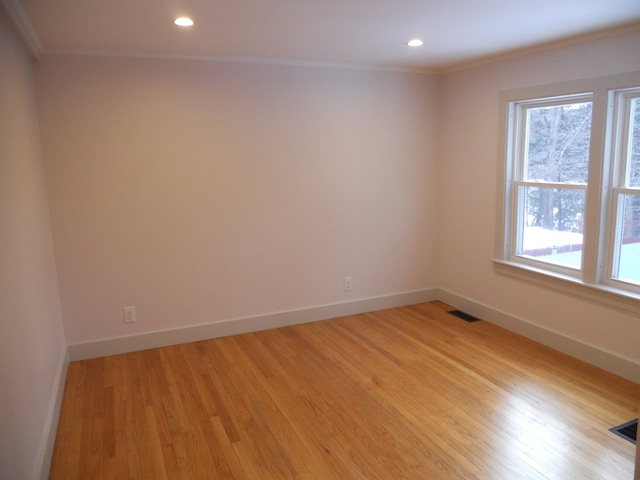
x=588 y=353
x=608 y=361
x=45 y=453
x=145 y=341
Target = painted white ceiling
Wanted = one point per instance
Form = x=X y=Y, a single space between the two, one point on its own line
x=362 y=32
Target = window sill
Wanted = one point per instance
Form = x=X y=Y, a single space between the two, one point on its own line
x=602 y=294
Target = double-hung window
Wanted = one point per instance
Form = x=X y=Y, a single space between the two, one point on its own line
x=625 y=218
x=569 y=211
x=551 y=172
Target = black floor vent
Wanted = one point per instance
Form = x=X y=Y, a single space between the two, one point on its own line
x=464 y=316
x=628 y=431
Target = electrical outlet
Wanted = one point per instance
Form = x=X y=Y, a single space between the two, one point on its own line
x=347 y=284
x=129 y=314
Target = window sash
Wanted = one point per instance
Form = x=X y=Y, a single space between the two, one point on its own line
x=615 y=277
x=518 y=252
x=519 y=112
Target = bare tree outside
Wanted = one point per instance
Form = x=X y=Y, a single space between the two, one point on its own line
x=556 y=152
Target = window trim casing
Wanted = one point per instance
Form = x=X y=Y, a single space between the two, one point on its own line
x=592 y=284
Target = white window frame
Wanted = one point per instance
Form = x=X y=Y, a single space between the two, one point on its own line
x=593 y=281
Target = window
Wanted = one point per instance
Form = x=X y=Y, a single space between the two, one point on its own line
x=625 y=260
x=570 y=206
x=550 y=185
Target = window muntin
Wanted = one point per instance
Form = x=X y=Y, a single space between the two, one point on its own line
x=551 y=172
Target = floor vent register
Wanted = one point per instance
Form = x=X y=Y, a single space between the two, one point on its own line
x=464 y=316
x=628 y=431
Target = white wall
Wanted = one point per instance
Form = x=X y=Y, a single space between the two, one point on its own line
x=199 y=192
x=32 y=348
x=467 y=200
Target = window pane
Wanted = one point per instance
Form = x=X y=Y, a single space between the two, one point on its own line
x=552 y=223
x=629 y=241
x=557 y=149
x=634 y=145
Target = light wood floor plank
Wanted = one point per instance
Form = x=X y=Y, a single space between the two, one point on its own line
x=405 y=393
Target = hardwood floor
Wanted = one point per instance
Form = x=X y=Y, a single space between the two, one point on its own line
x=409 y=393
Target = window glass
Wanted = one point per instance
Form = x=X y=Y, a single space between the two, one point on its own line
x=628 y=268
x=557 y=149
x=552 y=225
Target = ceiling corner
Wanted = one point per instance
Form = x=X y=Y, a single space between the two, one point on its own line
x=20 y=21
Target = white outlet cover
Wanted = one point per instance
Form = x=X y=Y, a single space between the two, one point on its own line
x=129 y=314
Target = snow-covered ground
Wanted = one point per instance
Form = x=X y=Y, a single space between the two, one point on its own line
x=538 y=238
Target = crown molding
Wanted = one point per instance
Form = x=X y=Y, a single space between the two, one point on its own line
x=282 y=62
x=19 y=19
x=541 y=48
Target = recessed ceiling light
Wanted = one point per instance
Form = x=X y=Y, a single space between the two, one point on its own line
x=416 y=42
x=183 y=22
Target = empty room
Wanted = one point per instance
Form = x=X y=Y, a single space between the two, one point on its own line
x=278 y=239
